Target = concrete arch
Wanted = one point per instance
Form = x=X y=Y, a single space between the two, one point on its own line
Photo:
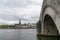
x=52 y=15
x=49 y=19
x=43 y=10
x=51 y=11
x=49 y=27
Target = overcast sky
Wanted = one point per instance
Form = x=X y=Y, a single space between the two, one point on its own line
x=13 y=10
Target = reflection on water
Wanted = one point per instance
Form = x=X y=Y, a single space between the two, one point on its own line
x=48 y=38
x=22 y=34
x=30 y=34
x=9 y=34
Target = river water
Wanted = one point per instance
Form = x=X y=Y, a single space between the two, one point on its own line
x=22 y=34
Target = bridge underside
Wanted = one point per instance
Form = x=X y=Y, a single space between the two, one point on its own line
x=49 y=27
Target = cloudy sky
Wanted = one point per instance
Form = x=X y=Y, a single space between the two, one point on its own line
x=13 y=10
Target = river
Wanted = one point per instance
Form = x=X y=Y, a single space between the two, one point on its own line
x=22 y=34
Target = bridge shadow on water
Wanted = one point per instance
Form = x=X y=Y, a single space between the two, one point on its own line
x=48 y=38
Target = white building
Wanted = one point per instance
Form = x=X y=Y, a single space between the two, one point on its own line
x=32 y=24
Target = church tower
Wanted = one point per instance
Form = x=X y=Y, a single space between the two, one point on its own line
x=20 y=21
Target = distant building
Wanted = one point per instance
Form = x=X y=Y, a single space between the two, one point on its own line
x=18 y=25
x=29 y=25
x=32 y=25
x=24 y=25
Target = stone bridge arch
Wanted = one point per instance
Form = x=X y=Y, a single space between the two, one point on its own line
x=50 y=16
x=49 y=27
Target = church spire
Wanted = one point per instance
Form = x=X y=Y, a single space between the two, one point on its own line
x=19 y=21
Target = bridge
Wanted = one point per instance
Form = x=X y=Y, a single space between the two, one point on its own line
x=49 y=21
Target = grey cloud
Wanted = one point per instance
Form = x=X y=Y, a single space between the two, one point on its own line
x=7 y=17
x=10 y=9
x=13 y=3
x=18 y=3
x=12 y=17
